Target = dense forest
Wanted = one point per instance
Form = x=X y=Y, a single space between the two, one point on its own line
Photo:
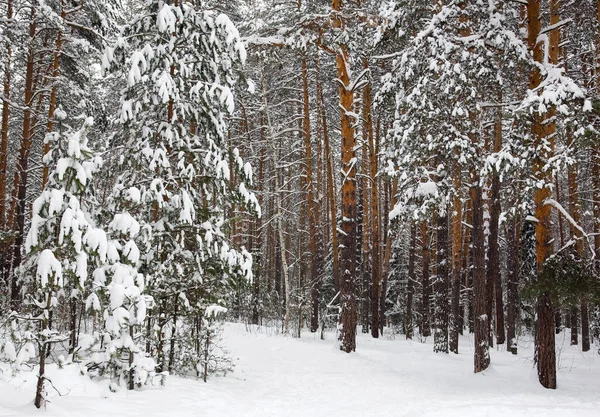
x=418 y=168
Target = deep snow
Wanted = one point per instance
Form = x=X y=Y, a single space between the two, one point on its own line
x=287 y=377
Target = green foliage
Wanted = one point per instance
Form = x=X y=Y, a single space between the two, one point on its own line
x=566 y=277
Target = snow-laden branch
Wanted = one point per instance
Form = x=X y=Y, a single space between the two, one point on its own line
x=565 y=214
x=561 y=210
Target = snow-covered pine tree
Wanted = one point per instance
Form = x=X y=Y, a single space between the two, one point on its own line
x=178 y=60
x=119 y=288
x=444 y=62
x=62 y=237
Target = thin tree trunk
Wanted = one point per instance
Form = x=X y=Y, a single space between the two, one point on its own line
x=390 y=192
x=480 y=299
x=411 y=280
x=374 y=212
x=440 y=343
x=4 y=126
x=512 y=285
x=467 y=293
x=312 y=210
x=331 y=194
x=279 y=216
x=456 y=260
x=493 y=270
x=43 y=346
x=363 y=245
x=173 y=333
x=52 y=104
x=21 y=174
x=425 y=326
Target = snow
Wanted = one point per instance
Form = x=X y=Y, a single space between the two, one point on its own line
x=214 y=310
x=276 y=375
x=49 y=269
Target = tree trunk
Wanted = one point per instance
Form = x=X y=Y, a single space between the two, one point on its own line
x=173 y=333
x=467 y=294
x=331 y=194
x=374 y=212
x=493 y=270
x=315 y=284
x=480 y=299
x=4 y=127
x=52 y=104
x=347 y=334
x=440 y=343
x=42 y=347
x=411 y=281
x=512 y=287
x=456 y=260
x=425 y=326
x=21 y=174
x=279 y=216
x=543 y=133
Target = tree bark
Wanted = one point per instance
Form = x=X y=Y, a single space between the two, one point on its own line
x=17 y=220
x=52 y=104
x=411 y=281
x=440 y=343
x=279 y=216
x=480 y=299
x=331 y=194
x=315 y=285
x=374 y=211
x=425 y=325
x=4 y=126
x=347 y=334
x=512 y=287
x=493 y=270
x=543 y=131
x=456 y=260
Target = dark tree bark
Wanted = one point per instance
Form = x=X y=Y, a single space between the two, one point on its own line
x=574 y=326
x=440 y=343
x=411 y=281
x=493 y=271
x=480 y=299
x=512 y=287
x=545 y=352
x=425 y=329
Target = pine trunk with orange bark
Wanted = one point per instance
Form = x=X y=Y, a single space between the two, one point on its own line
x=348 y=315
x=454 y=326
x=543 y=130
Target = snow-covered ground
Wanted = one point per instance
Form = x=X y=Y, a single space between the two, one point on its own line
x=287 y=377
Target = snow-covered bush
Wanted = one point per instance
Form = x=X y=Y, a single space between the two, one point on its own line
x=213 y=357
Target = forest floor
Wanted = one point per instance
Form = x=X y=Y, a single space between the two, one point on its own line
x=307 y=377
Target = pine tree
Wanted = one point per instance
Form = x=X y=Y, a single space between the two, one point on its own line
x=61 y=238
x=178 y=60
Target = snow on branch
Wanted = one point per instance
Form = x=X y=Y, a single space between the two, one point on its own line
x=556 y=26
x=565 y=214
x=571 y=220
